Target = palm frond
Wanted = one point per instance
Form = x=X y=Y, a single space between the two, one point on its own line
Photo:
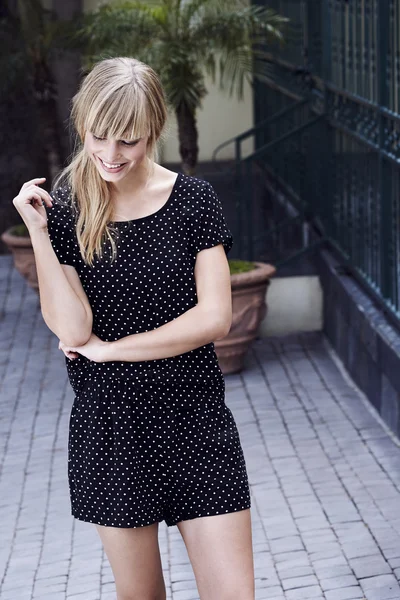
x=115 y=28
x=233 y=33
x=227 y=26
x=31 y=15
x=184 y=84
x=234 y=69
x=183 y=39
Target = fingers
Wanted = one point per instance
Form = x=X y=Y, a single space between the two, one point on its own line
x=35 y=196
x=33 y=193
x=33 y=189
x=33 y=182
x=68 y=353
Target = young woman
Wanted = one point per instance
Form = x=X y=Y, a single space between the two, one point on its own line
x=134 y=281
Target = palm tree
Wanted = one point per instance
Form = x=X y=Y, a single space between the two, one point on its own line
x=185 y=40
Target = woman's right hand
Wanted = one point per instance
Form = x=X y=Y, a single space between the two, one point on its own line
x=68 y=353
x=30 y=204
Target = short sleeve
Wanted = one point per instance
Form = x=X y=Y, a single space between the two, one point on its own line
x=209 y=225
x=60 y=225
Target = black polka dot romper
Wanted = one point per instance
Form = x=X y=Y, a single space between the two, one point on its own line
x=152 y=440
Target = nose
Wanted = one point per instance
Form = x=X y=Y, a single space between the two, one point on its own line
x=112 y=151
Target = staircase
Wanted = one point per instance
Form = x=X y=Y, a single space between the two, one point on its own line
x=268 y=204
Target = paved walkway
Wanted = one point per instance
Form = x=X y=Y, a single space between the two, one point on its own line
x=324 y=474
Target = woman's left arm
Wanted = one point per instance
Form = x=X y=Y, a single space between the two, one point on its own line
x=206 y=322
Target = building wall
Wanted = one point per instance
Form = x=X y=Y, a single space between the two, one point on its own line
x=295 y=304
x=219 y=119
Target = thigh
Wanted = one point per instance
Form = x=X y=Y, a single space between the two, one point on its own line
x=221 y=553
x=135 y=560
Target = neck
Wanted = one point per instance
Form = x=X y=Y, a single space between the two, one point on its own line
x=132 y=185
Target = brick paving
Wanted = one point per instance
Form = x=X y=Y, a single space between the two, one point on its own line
x=324 y=473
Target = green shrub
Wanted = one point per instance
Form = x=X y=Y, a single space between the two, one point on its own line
x=20 y=230
x=240 y=266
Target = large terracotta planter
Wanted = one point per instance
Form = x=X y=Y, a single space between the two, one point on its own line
x=24 y=258
x=249 y=308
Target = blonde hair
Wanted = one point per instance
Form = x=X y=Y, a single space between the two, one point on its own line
x=121 y=98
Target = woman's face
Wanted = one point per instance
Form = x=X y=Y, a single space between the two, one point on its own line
x=115 y=159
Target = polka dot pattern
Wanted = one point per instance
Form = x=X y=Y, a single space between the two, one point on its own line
x=150 y=440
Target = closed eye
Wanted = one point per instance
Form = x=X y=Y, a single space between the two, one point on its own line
x=130 y=143
x=101 y=139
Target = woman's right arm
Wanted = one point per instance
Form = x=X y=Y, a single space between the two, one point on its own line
x=64 y=304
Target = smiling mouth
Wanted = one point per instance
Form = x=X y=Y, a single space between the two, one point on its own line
x=111 y=165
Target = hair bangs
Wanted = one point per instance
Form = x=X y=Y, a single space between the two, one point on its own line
x=122 y=115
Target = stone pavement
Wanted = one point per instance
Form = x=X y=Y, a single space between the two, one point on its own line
x=324 y=472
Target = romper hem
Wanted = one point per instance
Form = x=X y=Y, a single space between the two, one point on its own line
x=197 y=515
x=96 y=522
x=169 y=522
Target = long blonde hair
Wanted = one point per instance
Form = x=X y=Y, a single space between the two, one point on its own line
x=121 y=98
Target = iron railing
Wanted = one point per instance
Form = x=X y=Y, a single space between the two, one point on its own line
x=342 y=168
x=289 y=129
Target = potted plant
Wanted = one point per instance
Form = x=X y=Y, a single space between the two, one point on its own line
x=249 y=282
x=17 y=240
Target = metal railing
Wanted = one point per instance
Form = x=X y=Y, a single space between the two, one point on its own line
x=286 y=128
x=341 y=165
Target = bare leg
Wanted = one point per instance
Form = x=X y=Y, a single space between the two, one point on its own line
x=135 y=560
x=220 y=549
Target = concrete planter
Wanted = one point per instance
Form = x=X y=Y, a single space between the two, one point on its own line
x=23 y=255
x=249 y=309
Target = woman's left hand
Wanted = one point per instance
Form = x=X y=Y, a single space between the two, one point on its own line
x=93 y=349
